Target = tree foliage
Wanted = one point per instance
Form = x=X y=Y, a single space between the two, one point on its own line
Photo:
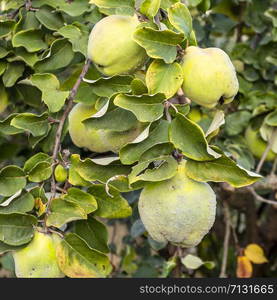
x=91 y=199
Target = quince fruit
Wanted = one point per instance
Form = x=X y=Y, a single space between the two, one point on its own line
x=209 y=76
x=179 y=210
x=97 y=140
x=112 y=48
x=38 y=259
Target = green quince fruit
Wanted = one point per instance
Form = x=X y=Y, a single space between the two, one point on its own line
x=179 y=210
x=97 y=140
x=209 y=76
x=38 y=259
x=112 y=48
x=256 y=144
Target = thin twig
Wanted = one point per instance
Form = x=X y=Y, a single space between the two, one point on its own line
x=114 y=231
x=167 y=113
x=68 y=108
x=157 y=20
x=226 y=240
x=177 y=272
x=274 y=167
x=260 y=198
x=268 y=148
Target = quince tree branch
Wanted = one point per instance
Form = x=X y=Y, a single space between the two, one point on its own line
x=69 y=106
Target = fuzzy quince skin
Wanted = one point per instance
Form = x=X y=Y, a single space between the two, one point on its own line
x=179 y=210
x=97 y=140
x=38 y=259
x=209 y=76
x=112 y=48
x=257 y=145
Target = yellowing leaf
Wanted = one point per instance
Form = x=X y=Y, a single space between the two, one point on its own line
x=244 y=267
x=40 y=206
x=255 y=253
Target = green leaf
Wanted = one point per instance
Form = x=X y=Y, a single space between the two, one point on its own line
x=85 y=200
x=3 y=66
x=73 y=177
x=120 y=7
x=165 y=4
x=27 y=20
x=179 y=16
x=72 y=8
x=168 y=266
x=159 y=44
x=156 y=151
x=271 y=14
x=77 y=34
x=138 y=87
x=218 y=120
x=63 y=212
x=164 y=78
x=12 y=179
x=49 y=18
x=30 y=39
x=271 y=119
x=22 y=204
x=76 y=259
x=107 y=87
x=6 y=27
x=190 y=139
x=38 y=167
x=122 y=120
x=13 y=71
x=128 y=264
x=146 y=108
x=8 y=248
x=59 y=56
x=50 y=88
x=150 y=7
x=132 y=152
x=90 y=171
x=16 y=229
x=110 y=207
x=192 y=262
x=137 y=229
x=36 y=125
x=6 y=128
x=94 y=233
x=237 y=122
x=3 y=52
x=165 y=167
x=222 y=169
x=20 y=54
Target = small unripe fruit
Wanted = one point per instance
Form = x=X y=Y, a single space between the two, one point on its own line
x=195 y=115
x=60 y=173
